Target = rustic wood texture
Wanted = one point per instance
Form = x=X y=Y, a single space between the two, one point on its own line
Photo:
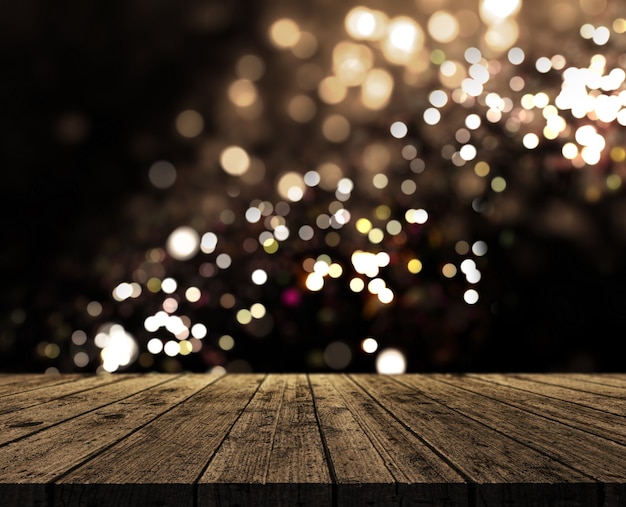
x=190 y=440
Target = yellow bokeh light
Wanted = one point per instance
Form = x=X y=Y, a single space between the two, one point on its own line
x=376 y=89
x=443 y=26
x=376 y=235
x=332 y=90
x=363 y=225
x=366 y=24
x=284 y=33
x=619 y=25
x=291 y=186
x=498 y=184
x=244 y=316
x=380 y=181
x=502 y=36
x=357 y=285
x=258 y=310
x=405 y=38
x=185 y=348
x=618 y=154
x=496 y=11
x=235 y=160
x=613 y=182
x=351 y=62
x=242 y=93
x=414 y=266
x=382 y=212
x=335 y=270
x=482 y=169
x=270 y=246
x=314 y=282
x=449 y=270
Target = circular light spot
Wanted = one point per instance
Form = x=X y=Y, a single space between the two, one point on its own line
x=259 y=276
x=189 y=123
x=81 y=359
x=336 y=128
x=390 y=361
x=223 y=261
x=183 y=243
x=291 y=186
x=193 y=294
x=226 y=342
x=414 y=266
x=198 y=330
x=155 y=346
x=337 y=355
x=162 y=174
x=357 y=285
x=369 y=345
x=443 y=26
x=235 y=160
x=398 y=129
x=171 y=348
x=284 y=33
x=470 y=296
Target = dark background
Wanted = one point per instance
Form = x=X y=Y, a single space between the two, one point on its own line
x=89 y=91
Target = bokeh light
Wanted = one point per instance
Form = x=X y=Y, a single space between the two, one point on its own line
x=320 y=187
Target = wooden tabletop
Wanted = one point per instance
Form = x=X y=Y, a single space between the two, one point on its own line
x=313 y=440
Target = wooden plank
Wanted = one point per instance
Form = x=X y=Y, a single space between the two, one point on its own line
x=358 y=470
x=12 y=378
x=273 y=455
x=45 y=394
x=591 y=420
x=163 y=459
x=577 y=384
x=375 y=460
x=422 y=476
x=505 y=471
x=27 y=465
x=604 y=380
x=66 y=401
x=595 y=457
x=24 y=382
x=592 y=400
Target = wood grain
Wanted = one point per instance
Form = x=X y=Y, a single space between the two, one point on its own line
x=171 y=451
x=421 y=476
x=502 y=468
x=28 y=464
x=336 y=440
x=273 y=454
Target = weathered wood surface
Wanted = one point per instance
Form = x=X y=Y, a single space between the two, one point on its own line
x=186 y=440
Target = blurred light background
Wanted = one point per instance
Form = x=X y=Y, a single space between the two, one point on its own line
x=416 y=185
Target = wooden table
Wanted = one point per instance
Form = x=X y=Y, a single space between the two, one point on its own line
x=313 y=439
